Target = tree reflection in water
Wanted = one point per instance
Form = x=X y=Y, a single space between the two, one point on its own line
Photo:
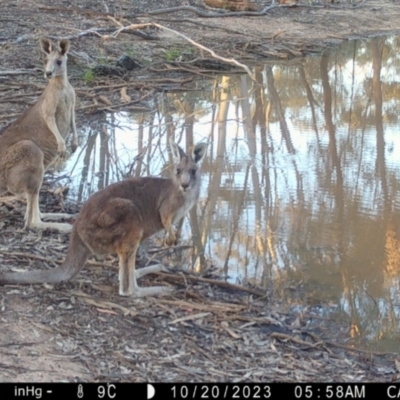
x=300 y=183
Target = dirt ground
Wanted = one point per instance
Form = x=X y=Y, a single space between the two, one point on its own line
x=206 y=331
x=101 y=61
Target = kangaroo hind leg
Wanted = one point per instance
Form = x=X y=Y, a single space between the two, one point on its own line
x=33 y=217
x=127 y=277
x=25 y=178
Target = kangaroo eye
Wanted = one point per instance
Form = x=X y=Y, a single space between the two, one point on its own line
x=193 y=172
x=59 y=62
x=178 y=171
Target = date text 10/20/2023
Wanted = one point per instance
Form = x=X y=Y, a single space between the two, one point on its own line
x=270 y=391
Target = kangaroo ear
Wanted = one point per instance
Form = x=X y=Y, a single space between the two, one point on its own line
x=45 y=45
x=199 y=152
x=177 y=152
x=64 y=46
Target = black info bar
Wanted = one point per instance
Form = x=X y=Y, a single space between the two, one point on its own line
x=188 y=391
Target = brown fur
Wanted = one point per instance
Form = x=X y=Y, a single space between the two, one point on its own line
x=117 y=218
x=33 y=142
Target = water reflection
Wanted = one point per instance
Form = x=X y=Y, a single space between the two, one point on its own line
x=301 y=179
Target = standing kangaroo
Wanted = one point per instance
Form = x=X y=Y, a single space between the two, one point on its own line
x=116 y=219
x=31 y=144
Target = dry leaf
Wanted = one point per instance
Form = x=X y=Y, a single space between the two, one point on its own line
x=103 y=311
x=125 y=98
x=232 y=333
x=104 y=100
x=108 y=305
x=296 y=323
x=189 y=318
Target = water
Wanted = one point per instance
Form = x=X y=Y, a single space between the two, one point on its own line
x=300 y=184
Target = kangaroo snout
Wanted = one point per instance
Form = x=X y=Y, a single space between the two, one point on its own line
x=48 y=74
x=185 y=180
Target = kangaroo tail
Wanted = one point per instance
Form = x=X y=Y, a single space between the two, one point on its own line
x=77 y=255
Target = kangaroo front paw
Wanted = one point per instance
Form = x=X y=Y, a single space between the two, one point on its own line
x=74 y=146
x=61 y=149
x=170 y=240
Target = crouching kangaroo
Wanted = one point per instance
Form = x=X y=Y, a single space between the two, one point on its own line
x=117 y=218
x=29 y=145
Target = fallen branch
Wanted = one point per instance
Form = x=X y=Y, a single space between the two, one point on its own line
x=114 y=107
x=348 y=348
x=169 y=248
x=352 y=7
x=9 y=116
x=191 y=21
x=207 y=307
x=189 y=318
x=203 y=14
x=140 y=85
x=88 y=32
x=32 y=256
x=18 y=72
x=18 y=344
x=17 y=97
x=212 y=52
x=200 y=12
x=285 y=336
x=194 y=72
x=216 y=282
x=98 y=31
x=50 y=260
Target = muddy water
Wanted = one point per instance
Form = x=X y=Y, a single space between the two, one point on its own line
x=301 y=184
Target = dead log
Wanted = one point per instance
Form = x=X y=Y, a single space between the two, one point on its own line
x=232 y=5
